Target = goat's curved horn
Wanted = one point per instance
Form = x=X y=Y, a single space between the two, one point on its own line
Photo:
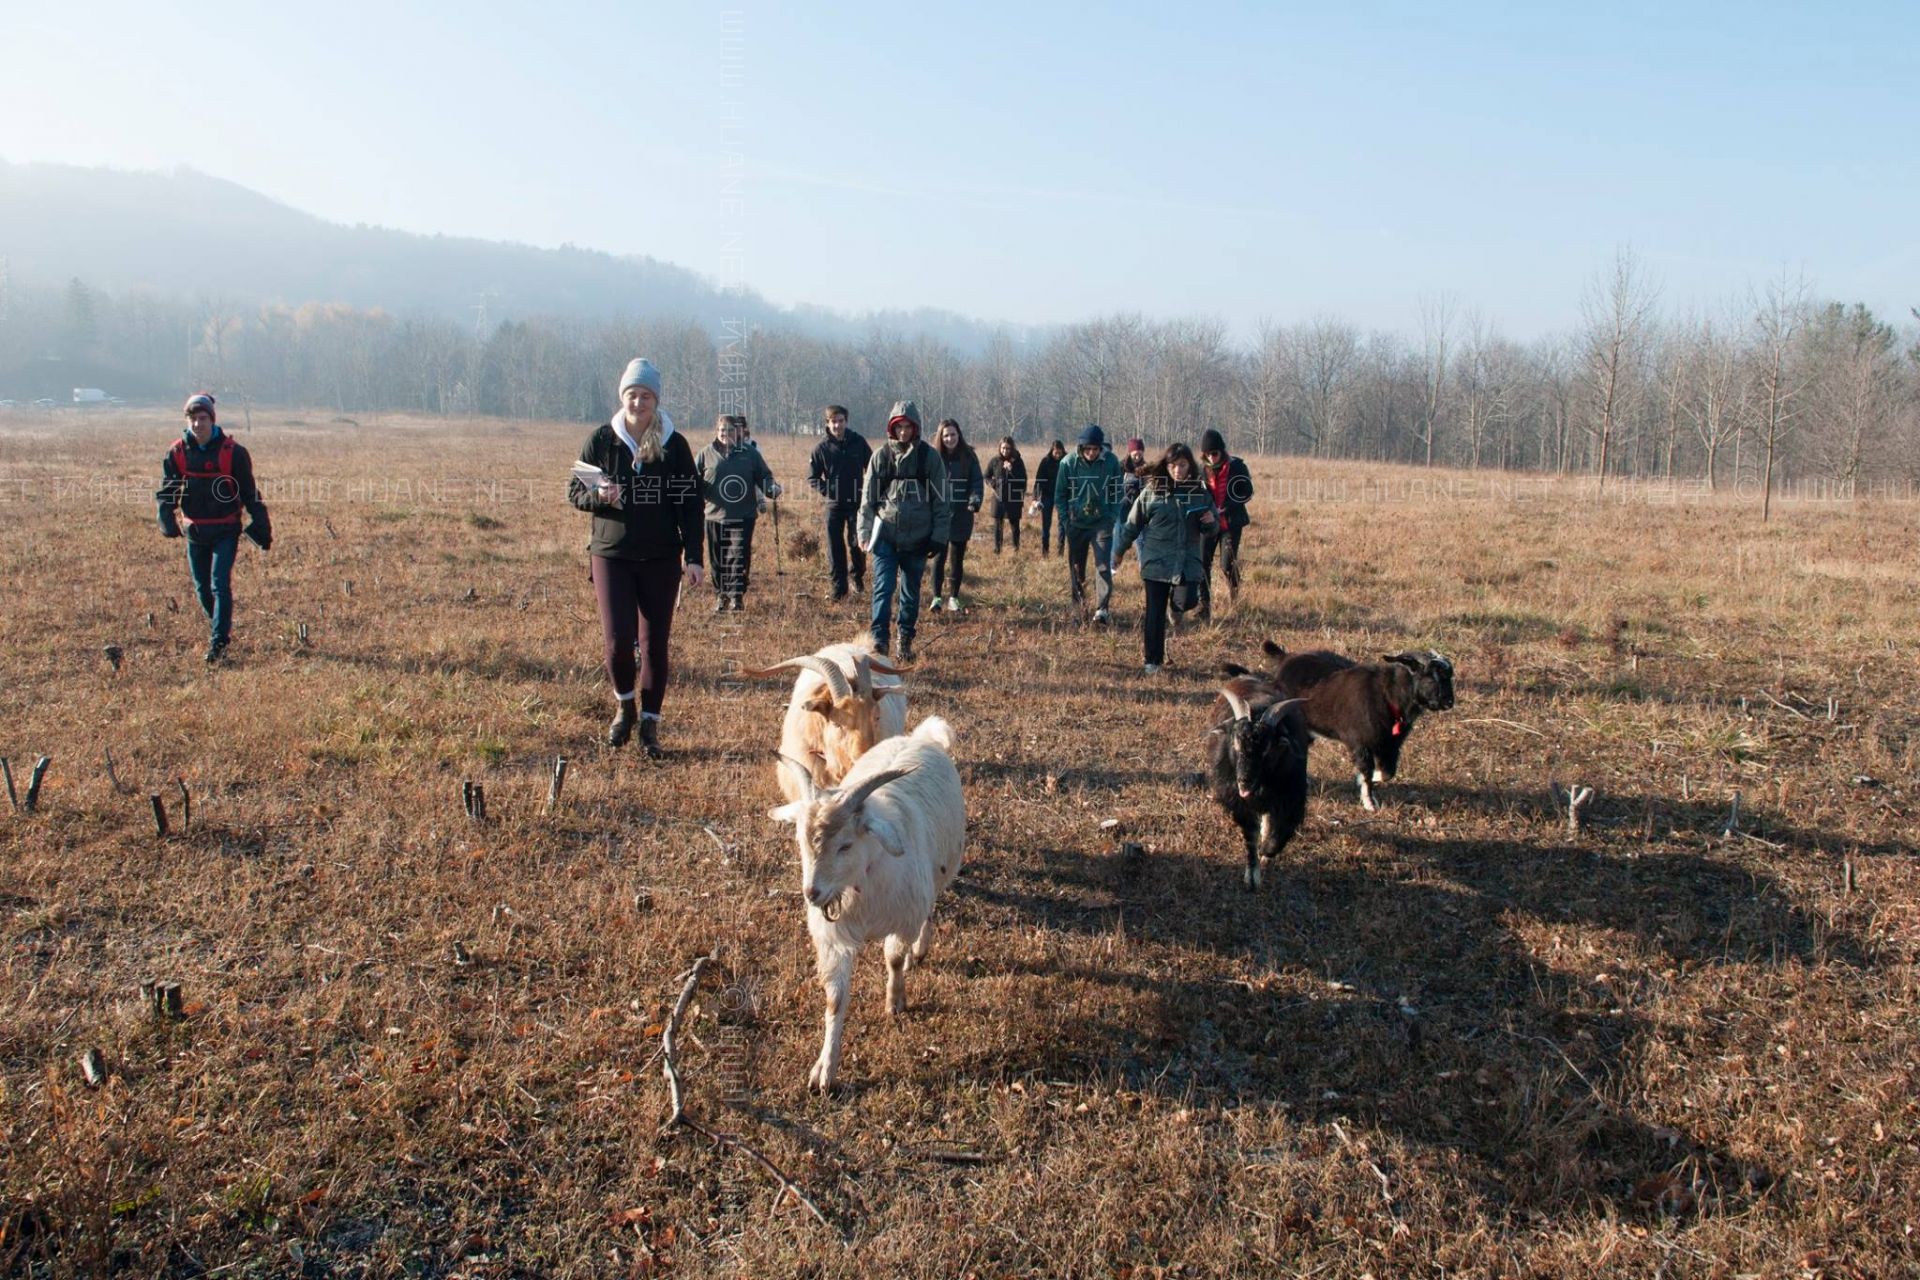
x=829 y=671
x=799 y=771
x=881 y=666
x=850 y=800
x=1238 y=703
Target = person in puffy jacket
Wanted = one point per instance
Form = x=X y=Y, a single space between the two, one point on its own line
x=1086 y=492
x=644 y=496
x=206 y=482
x=838 y=464
x=1170 y=521
x=903 y=516
x=736 y=484
x=1007 y=483
x=964 y=493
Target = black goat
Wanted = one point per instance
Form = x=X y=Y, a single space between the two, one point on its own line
x=1258 y=767
x=1369 y=707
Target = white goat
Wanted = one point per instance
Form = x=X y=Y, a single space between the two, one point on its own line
x=844 y=702
x=874 y=853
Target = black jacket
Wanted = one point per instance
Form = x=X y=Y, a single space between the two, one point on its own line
x=210 y=500
x=837 y=469
x=1239 y=492
x=1043 y=478
x=1007 y=481
x=661 y=512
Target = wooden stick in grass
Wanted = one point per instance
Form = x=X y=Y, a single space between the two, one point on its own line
x=5 y=768
x=40 y=767
x=559 y=782
x=678 y=1119
x=159 y=814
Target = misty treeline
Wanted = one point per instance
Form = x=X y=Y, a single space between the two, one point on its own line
x=1777 y=386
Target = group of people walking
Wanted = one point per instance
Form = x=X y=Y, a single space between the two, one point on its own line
x=663 y=516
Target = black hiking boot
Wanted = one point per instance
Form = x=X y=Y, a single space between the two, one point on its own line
x=216 y=653
x=650 y=737
x=622 y=727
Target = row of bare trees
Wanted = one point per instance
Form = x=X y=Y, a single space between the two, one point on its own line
x=1773 y=388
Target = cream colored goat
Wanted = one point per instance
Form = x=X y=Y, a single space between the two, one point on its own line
x=874 y=854
x=845 y=701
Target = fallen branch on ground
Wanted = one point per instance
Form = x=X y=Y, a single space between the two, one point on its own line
x=677 y=1118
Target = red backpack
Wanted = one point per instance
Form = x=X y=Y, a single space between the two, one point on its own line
x=222 y=468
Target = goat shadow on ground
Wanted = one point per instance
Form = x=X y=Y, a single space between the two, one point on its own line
x=1628 y=812
x=1438 y=1022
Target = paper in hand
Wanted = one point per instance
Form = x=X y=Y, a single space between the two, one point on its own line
x=589 y=475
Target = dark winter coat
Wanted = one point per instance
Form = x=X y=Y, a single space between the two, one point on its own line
x=1239 y=491
x=965 y=492
x=1166 y=520
x=837 y=468
x=1043 y=478
x=660 y=513
x=208 y=496
x=1007 y=481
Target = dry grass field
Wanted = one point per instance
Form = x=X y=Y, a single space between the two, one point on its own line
x=1446 y=1039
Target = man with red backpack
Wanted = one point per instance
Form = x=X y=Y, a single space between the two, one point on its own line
x=207 y=481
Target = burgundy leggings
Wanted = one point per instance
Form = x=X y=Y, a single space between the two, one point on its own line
x=636 y=602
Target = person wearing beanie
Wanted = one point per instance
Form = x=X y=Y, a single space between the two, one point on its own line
x=839 y=462
x=206 y=481
x=1170 y=520
x=1087 y=491
x=1044 y=477
x=903 y=516
x=963 y=496
x=1007 y=482
x=1231 y=485
x=636 y=478
x=735 y=481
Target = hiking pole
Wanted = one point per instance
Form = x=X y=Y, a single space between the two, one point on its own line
x=778 y=572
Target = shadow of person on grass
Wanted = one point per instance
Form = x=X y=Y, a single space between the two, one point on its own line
x=1432 y=1013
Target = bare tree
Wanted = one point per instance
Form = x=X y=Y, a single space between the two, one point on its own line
x=1616 y=307
x=1436 y=318
x=1778 y=318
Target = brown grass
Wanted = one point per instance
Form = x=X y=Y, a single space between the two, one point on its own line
x=1446 y=1039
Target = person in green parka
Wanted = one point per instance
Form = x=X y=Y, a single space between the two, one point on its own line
x=1170 y=520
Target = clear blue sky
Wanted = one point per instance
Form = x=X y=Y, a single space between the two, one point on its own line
x=1022 y=163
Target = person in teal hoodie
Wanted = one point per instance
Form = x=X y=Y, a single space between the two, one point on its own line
x=1170 y=520
x=1086 y=496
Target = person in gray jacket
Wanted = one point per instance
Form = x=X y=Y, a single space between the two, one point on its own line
x=903 y=516
x=735 y=483
x=1169 y=519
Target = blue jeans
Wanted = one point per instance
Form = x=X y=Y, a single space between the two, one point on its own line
x=891 y=567
x=212 y=566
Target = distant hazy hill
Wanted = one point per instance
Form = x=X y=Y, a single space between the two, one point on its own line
x=185 y=232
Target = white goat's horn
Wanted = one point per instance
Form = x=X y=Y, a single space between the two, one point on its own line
x=853 y=799
x=1238 y=703
x=800 y=771
x=829 y=671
